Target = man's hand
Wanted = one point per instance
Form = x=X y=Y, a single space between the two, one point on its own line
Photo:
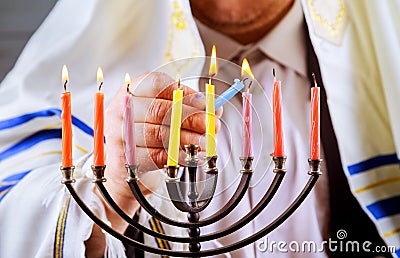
x=152 y=107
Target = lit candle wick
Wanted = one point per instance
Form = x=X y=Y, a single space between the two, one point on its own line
x=274 y=74
x=247 y=86
x=64 y=77
x=127 y=82
x=315 y=80
x=178 y=82
x=65 y=85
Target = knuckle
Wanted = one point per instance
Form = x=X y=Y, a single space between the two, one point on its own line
x=195 y=122
x=157 y=134
x=157 y=110
x=190 y=121
x=190 y=138
x=159 y=156
x=161 y=80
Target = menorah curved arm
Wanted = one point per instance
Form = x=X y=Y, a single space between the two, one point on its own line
x=267 y=229
x=118 y=235
x=178 y=199
x=232 y=203
x=251 y=215
x=270 y=227
x=213 y=218
x=133 y=223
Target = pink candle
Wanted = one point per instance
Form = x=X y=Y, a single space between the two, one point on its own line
x=314 y=132
x=247 y=120
x=277 y=110
x=129 y=127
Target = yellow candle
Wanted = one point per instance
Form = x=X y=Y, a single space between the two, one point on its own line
x=175 y=127
x=211 y=146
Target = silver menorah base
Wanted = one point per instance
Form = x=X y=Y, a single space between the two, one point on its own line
x=195 y=203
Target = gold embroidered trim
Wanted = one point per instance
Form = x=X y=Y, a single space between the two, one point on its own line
x=391 y=233
x=58 y=251
x=331 y=27
x=379 y=183
x=178 y=17
x=178 y=23
x=157 y=227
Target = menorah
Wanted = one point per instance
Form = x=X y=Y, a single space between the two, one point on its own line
x=195 y=203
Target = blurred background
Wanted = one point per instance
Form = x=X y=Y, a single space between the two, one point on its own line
x=18 y=20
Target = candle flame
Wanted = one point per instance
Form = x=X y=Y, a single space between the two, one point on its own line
x=246 y=69
x=100 y=77
x=64 y=76
x=99 y=74
x=127 y=81
x=213 y=63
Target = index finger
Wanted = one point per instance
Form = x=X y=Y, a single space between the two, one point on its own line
x=160 y=85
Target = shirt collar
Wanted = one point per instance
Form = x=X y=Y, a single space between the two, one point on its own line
x=285 y=43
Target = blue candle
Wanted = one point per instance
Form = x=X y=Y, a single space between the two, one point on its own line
x=229 y=93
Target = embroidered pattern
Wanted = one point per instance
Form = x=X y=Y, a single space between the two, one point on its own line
x=58 y=251
x=156 y=226
x=332 y=27
x=178 y=24
x=377 y=184
x=178 y=18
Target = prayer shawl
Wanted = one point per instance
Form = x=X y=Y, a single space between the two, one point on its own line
x=356 y=42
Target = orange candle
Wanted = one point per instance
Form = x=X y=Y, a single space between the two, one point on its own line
x=98 y=150
x=277 y=110
x=66 y=122
x=314 y=132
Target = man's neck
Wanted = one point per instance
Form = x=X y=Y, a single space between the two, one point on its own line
x=244 y=21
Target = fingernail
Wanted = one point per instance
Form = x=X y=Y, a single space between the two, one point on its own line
x=217 y=123
x=199 y=95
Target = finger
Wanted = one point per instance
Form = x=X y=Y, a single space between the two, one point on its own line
x=156 y=136
x=160 y=85
x=155 y=158
x=158 y=111
x=219 y=112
